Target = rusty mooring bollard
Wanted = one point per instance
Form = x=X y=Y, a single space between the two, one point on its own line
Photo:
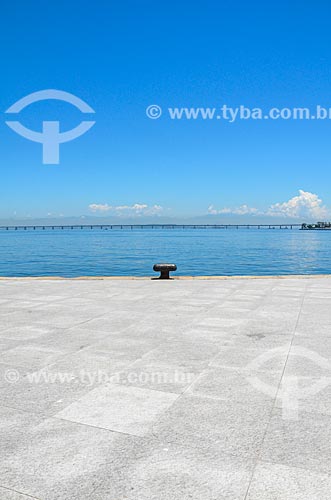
x=164 y=269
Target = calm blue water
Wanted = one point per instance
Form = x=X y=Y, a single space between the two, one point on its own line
x=133 y=252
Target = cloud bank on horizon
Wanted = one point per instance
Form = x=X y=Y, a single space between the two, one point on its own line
x=305 y=204
x=305 y=207
x=137 y=209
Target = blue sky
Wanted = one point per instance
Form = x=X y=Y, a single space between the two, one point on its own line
x=120 y=57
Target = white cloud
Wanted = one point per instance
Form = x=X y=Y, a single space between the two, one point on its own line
x=306 y=204
x=242 y=210
x=95 y=207
x=134 y=210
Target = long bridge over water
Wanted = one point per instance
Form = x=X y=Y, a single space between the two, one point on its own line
x=44 y=227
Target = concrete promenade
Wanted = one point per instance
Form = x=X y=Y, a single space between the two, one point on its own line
x=188 y=389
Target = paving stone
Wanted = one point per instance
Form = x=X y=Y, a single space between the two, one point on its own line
x=169 y=472
x=130 y=410
x=303 y=442
x=188 y=355
x=248 y=359
x=236 y=386
x=209 y=424
x=52 y=459
x=6 y=494
x=40 y=392
x=278 y=482
x=28 y=332
x=30 y=356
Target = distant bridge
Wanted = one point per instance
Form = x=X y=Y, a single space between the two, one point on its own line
x=145 y=226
